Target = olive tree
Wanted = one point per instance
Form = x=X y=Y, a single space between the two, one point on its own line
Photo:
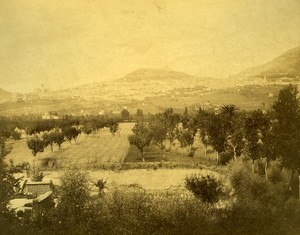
x=141 y=137
x=36 y=144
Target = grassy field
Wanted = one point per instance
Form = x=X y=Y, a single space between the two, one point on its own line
x=87 y=151
x=102 y=149
x=111 y=157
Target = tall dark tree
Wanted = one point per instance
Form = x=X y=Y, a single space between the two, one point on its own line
x=139 y=113
x=202 y=122
x=287 y=127
x=158 y=129
x=185 y=136
x=234 y=129
x=125 y=114
x=163 y=127
x=170 y=120
x=257 y=130
x=185 y=118
x=221 y=129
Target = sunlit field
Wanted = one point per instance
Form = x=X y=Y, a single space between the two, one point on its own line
x=102 y=147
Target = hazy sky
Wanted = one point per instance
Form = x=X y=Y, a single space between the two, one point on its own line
x=68 y=42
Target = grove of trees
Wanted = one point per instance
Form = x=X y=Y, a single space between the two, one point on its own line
x=44 y=133
x=257 y=135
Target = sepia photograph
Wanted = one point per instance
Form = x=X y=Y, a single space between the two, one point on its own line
x=150 y=117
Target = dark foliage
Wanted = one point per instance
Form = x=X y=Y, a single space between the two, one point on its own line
x=206 y=188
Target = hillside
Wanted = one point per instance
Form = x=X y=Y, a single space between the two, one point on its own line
x=286 y=65
x=151 y=90
x=4 y=95
x=135 y=86
x=156 y=75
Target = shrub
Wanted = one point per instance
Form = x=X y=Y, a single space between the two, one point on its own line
x=250 y=186
x=74 y=196
x=249 y=216
x=134 y=211
x=16 y=135
x=244 y=183
x=36 y=175
x=206 y=188
x=101 y=185
x=137 y=212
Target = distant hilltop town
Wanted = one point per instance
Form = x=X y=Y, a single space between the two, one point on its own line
x=37 y=93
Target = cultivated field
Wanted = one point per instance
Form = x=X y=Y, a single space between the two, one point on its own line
x=104 y=149
x=94 y=149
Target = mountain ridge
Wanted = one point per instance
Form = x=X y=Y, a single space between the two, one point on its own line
x=287 y=64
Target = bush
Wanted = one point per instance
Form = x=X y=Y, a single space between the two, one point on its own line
x=249 y=216
x=101 y=185
x=250 y=186
x=244 y=183
x=36 y=175
x=16 y=135
x=74 y=197
x=133 y=211
x=137 y=212
x=206 y=188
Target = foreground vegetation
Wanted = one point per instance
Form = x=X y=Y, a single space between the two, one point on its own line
x=257 y=194
x=247 y=205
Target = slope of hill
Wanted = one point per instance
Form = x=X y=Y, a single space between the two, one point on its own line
x=157 y=75
x=286 y=65
x=136 y=85
x=4 y=95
